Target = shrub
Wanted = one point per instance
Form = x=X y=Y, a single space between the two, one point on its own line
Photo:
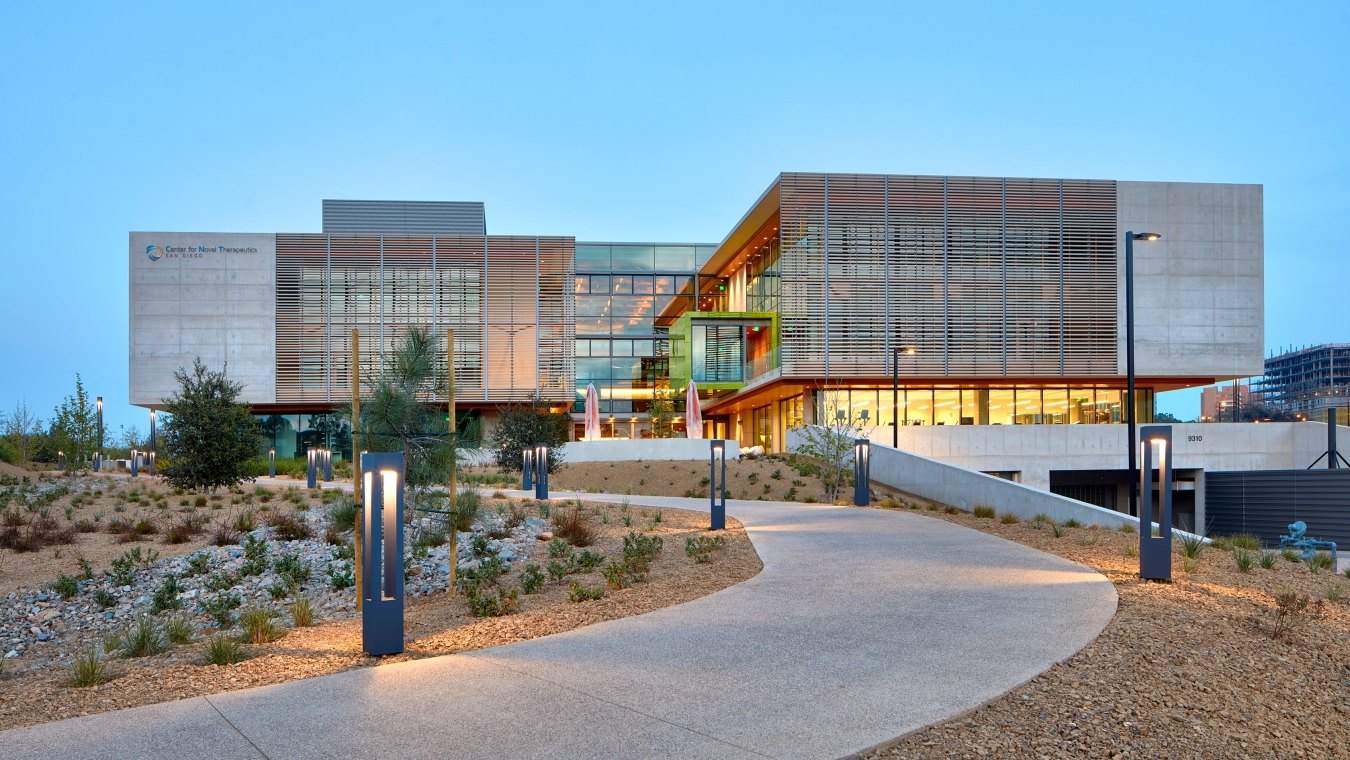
x=220 y=608
x=288 y=528
x=1268 y=560
x=1290 y=555
x=223 y=650
x=244 y=522
x=199 y=502
x=66 y=586
x=1008 y=518
x=588 y=560
x=1334 y=592
x=1128 y=528
x=983 y=510
x=1245 y=541
x=290 y=569
x=342 y=515
x=1243 y=559
x=573 y=525
x=104 y=598
x=557 y=569
x=493 y=602
x=178 y=629
x=302 y=612
x=580 y=593
x=221 y=581
x=144 y=639
x=1058 y=531
x=224 y=534
x=1072 y=523
x=257 y=626
x=198 y=564
x=887 y=503
x=532 y=578
x=1191 y=546
x=639 y=550
x=340 y=578
x=1291 y=609
x=1189 y=565
x=166 y=596
x=1319 y=562
x=89 y=669
x=702 y=547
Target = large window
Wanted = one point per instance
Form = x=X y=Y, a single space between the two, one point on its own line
x=981 y=406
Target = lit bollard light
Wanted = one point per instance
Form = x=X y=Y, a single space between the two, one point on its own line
x=862 y=472
x=717 y=484
x=311 y=467
x=1155 y=553
x=381 y=568
x=541 y=471
x=527 y=469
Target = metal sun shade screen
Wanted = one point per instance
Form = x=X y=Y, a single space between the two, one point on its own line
x=981 y=276
x=508 y=299
x=405 y=217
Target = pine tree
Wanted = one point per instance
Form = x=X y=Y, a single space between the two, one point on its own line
x=74 y=427
x=208 y=437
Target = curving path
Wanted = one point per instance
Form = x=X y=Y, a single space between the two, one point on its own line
x=863 y=625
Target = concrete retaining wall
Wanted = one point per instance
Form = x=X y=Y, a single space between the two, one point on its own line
x=623 y=450
x=966 y=489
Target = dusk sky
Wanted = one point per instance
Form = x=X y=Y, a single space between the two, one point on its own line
x=624 y=122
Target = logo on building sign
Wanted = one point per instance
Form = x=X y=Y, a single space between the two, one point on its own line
x=153 y=252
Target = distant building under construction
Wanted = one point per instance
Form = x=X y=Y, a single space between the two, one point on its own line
x=1309 y=381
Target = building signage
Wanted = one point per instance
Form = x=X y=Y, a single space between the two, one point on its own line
x=156 y=252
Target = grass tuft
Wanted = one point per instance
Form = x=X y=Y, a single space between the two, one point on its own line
x=89 y=669
x=223 y=650
x=984 y=510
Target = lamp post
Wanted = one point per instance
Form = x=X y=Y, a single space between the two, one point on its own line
x=153 y=448
x=895 y=393
x=1130 y=237
x=717 y=484
x=98 y=445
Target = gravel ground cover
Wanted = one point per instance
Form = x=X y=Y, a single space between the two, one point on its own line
x=1196 y=668
x=516 y=538
x=772 y=478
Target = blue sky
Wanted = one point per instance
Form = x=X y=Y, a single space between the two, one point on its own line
x=625 y=122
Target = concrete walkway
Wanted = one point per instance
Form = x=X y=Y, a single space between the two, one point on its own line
x=863 y=625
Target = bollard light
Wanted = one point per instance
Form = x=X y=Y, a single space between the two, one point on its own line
x=327 y=455
x=271 y=463
x=135 y=461
x=717 y=484
x=152 y=464
x=1155 y=553
x=527 y=469
x=153 y=447
x=98 y=447
x=311 y=467
x=381 y=570
x=862 y=472
x=61 y=460
x=541 y=471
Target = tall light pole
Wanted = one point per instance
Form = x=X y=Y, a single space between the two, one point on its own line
x=152 y=443
x=1130 y=446
x=98 y=445
x=895 y=393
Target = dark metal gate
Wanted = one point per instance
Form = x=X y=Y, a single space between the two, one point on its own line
x=1264 y=502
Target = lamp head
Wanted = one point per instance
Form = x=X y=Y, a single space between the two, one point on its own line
x=1147 y=236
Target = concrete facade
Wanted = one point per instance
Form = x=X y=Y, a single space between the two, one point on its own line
x=1035 y=450
x=202 y=295
x=1199 y=291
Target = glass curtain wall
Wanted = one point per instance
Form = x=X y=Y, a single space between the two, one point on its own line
x=619 y=289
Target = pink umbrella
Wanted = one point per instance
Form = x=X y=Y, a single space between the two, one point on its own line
x=693 y=425
x=592 y=414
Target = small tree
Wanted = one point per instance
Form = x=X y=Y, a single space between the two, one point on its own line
x=662 y=413
x=20 y=429
x=208 y=436
x=74 y=427
x=520 y=426
x=830 y=443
